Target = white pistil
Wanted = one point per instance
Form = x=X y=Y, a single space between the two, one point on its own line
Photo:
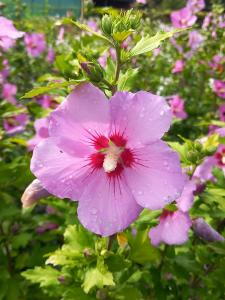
x=223 y=160
x=112 y=156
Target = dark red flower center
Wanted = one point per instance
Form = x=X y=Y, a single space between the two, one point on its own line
x=111 y=155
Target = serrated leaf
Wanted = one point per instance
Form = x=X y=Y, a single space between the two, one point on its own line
x=125 y=82
x=44 y=276
x=52 y=86
x=95 y=277
x=149 y=43
x=121 y=36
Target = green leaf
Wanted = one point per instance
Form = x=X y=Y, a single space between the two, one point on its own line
x=52 y=86
x=95 y=277
x=142 y=251
x=127 y=292
x=125 y=82
x=150 y=43
x=44 y=276
x=86 y=28
x=76 y=293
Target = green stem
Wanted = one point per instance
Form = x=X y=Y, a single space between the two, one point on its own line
x=118 y=69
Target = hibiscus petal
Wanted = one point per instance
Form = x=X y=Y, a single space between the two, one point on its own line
x=185 y=201
x=61 y=169
x=143 y=117
x=172 y=230
x=107 y=207
x=156 y=179
x=86 y=110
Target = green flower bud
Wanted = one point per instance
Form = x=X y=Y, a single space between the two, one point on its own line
x=106 y=24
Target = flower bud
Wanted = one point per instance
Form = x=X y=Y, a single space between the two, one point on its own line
x=92 y=70
x=33 y=193
x=205 y=231
x=106 y=24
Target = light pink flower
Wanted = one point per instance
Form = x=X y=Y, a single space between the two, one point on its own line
x=35 y=44
x=141 y=1
x=195 y=39
x=41 y=128
x=183 y=18
x=217 y=63
x=50 y=55
x=8 y=33
x=60 y=37
x=15 y=124
x=9 y=91
x=177 y=107
x=176 y=45
x=178 y=66
x=219 y=88
x=172 y=229
x=196 y=5
x=103 y=58
x=108 y=155
x=207 y=21
x=204 y=171
x=93 y=25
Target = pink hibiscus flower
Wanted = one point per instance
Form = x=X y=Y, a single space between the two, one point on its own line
x=219 y=88
x=15 y=124
x=195 y=39
x=8 y=33
x=177 y=106
x=35 y=44
x=9 y=91
x=183 y=18
x=107 y=154
x=41 y=128
x=178 y=66
x=174 y=226
x=172 y=229
x=196 y=5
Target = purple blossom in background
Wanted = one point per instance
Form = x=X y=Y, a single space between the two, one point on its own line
x=41 y=129
x=141 y=1
x=196 y=5
x=4 y=73
x=195 y=39
x=207 y=21
x=8 y=33
x=15 y=124
x=35 y=43
x=50 y=55
x=103 y=58
x=219 y=88
x=46 y=101
x=217 y=63
x=222 y=112
x=172 y=229
x=107 y=154
x=93 y=25
x=177 y=107
x=183 y=18
x=204 y=170
x=6 y=43
x=60 y=37
x=176 y=45
x=9 y=91
x=178 y=66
